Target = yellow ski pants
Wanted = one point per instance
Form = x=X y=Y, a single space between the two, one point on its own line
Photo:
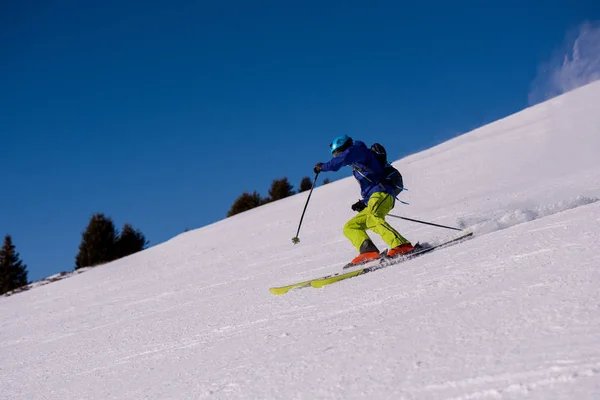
x=373 y=218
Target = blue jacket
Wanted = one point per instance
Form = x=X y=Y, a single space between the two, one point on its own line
x=365 y=168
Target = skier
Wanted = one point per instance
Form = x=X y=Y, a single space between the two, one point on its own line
x=377 y=200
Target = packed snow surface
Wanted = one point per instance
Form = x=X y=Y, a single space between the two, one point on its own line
x=512 y=313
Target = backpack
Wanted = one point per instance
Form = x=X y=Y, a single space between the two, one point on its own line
x=391 y=176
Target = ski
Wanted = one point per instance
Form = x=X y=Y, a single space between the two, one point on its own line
x=287 y=288
x=370 y=267
x=304 y=284
x=384 y=262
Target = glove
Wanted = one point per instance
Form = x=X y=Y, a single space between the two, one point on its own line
x=317 y=167
x=359 y=206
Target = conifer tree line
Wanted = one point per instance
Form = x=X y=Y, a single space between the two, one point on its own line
x=100 y=243
x=280 y=189
x=13 y=273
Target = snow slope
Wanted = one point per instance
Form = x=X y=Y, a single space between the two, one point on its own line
x=512 y=313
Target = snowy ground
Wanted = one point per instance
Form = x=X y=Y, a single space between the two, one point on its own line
x=512 y=313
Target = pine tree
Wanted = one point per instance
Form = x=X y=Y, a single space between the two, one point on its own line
x=326 y=181
x=97 y=242
x=13 y=273
x=305 y=184
x=129 y=241
x=245 y=202
x=280 y=189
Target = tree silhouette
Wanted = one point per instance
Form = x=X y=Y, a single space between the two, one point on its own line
x=305 y=184
x=326 y=181
x=129 y=241
x=280 y=189
x=97 y=242
x=245 y=202
x=13 y=273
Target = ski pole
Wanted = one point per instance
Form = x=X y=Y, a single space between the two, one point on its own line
x=296 y=239
x=423 y=222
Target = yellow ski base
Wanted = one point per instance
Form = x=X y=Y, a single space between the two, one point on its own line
x=285 y=289
x=319 y=283
x=322 y=281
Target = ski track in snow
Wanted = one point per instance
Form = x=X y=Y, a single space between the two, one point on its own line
x=513 y=313
x=481 y=225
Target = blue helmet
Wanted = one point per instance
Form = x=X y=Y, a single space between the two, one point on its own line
x=340 y=143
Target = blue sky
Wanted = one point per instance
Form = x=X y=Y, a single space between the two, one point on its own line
x=161 y=114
